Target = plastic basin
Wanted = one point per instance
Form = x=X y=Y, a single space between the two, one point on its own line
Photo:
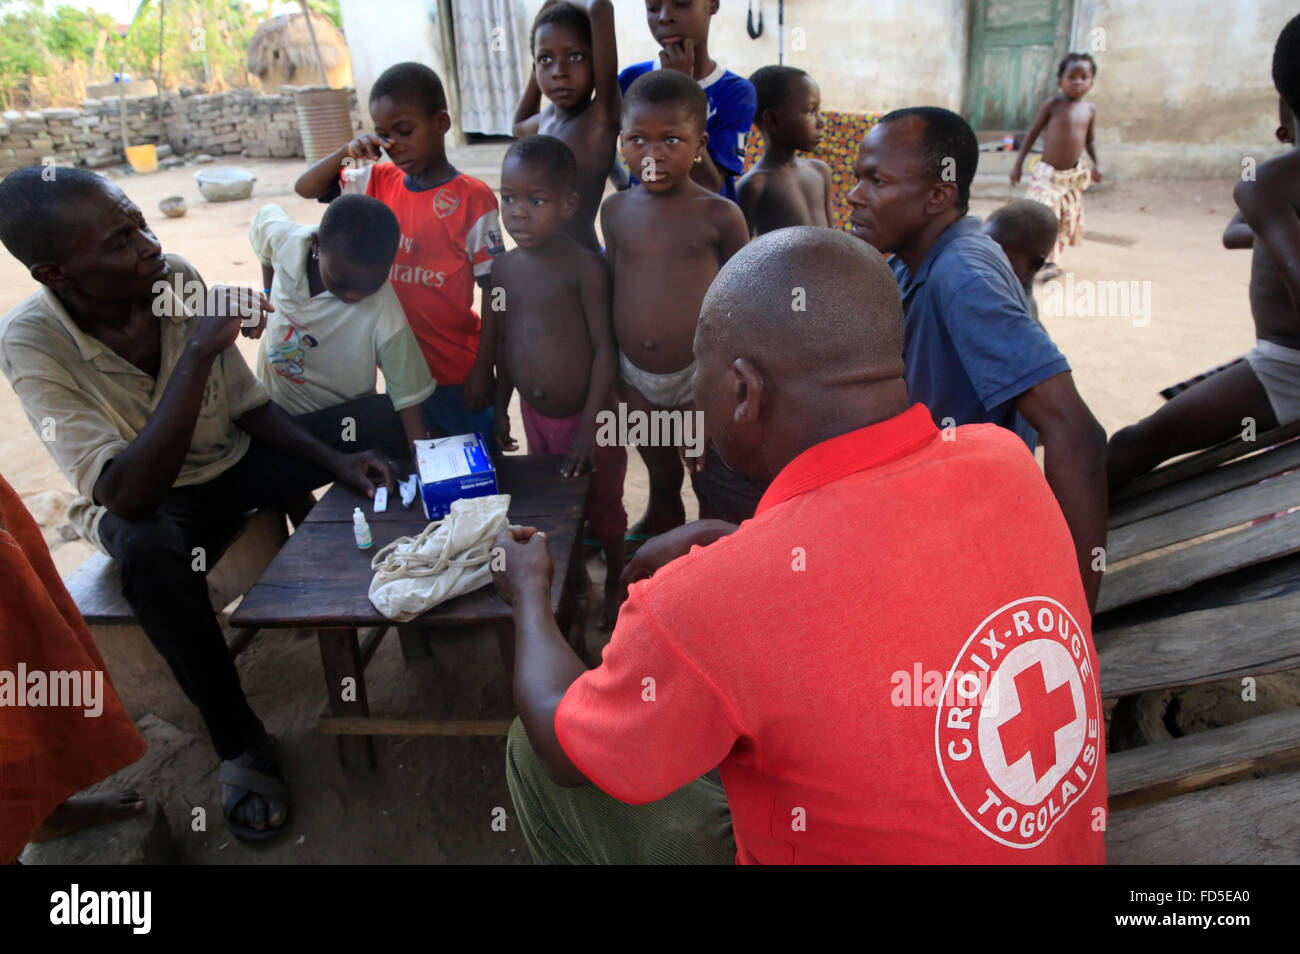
x=225 y=185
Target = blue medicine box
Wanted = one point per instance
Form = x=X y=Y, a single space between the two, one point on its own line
x=451 y=468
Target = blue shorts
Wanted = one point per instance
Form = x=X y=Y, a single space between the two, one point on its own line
x=445 y=415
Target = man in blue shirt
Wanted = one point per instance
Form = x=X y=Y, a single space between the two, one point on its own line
x=972 y=352
x=682 y=30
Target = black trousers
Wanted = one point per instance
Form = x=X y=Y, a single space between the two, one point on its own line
x=164 y=579
x=368 y=423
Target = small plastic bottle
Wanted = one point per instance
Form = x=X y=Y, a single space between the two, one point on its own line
x=361 y=530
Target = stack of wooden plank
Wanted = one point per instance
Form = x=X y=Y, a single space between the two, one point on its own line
x=1203 y=585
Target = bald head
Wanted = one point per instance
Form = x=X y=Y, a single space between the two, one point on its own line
x=800 y=339
x=808 y=304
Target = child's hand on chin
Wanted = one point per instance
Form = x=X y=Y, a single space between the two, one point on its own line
x=679 y=57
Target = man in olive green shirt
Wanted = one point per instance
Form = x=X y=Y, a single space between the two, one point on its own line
x=167 y=436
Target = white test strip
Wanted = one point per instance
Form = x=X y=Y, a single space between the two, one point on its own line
x=381 y=499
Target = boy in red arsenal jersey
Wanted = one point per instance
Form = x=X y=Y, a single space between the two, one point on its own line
x=449 y=235
x=774 y=653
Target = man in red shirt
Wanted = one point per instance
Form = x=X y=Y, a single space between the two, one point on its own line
x=891 y=662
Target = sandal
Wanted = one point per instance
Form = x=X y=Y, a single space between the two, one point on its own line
x=255 y=773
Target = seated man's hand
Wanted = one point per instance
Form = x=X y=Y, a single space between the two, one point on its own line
x=226 y=308
x=366 y=470
x=520 y=562
x=658 y=552
x=253 y=328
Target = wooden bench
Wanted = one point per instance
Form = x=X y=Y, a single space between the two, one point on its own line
x=1249 y=823
x=141 y=677
x=1205 y=591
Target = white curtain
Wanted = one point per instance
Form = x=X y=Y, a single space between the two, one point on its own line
x=491 y=60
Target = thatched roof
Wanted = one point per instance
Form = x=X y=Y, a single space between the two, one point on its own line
x=280 y=52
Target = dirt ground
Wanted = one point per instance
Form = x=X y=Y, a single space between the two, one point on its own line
x=432 y=799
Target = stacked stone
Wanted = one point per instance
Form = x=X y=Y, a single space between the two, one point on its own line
x=271 y=128
x=227 y=123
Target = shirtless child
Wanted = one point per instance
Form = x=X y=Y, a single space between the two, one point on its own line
x=575 y=66
x=1060 y=176
x=666 y=242
x=555 y=342
x=1238 y=234
x=1266 y=386
x=784 y=189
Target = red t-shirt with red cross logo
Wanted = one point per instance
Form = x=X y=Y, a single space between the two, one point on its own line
x=449 y=235
x=891 y=662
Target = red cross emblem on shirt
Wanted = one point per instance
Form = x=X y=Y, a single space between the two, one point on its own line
x=1032 y=730
x=997 y=708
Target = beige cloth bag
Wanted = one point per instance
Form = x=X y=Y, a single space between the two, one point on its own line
x=450 y=556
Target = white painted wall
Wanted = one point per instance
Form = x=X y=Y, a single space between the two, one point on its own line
x=867 y=55
x=395 y=31
x=1182 y=82
x=1190 y=71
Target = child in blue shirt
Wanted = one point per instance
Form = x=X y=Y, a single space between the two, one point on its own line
x=681 y=28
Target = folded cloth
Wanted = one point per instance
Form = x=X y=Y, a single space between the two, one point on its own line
x=451 y=556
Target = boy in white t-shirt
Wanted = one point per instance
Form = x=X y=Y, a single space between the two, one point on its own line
x=336 y=319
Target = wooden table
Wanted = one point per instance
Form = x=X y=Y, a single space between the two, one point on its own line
x=321 y=581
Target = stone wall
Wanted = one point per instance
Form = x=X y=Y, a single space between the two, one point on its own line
x=230 y=123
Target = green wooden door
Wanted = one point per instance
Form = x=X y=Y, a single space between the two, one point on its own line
x=1015 y=46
